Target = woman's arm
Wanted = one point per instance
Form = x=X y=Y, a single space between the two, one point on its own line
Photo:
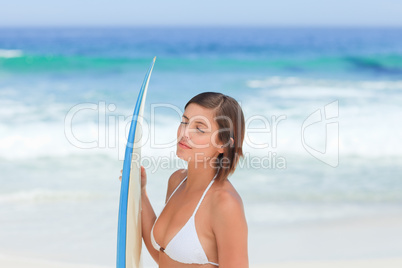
x=148 y=216
x=230 y=229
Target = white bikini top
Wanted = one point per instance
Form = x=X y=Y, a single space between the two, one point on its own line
x=185 y=247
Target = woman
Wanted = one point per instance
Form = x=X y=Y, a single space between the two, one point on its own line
x=203 y=221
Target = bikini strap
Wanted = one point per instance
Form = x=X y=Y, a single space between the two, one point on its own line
x=203 y=195
x=176 y=189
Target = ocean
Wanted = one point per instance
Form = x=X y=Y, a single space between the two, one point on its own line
x=323 y=148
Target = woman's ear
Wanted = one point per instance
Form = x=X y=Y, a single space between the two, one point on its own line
x=221 y=149
x=231 y=143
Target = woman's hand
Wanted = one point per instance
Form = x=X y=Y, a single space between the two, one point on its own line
x=143 y=178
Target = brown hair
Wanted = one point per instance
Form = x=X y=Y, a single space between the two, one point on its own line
x=230 y=119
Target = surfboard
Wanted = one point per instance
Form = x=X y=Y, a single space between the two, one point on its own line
x=129 y=235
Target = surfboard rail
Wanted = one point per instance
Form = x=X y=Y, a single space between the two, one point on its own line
x=129 y=238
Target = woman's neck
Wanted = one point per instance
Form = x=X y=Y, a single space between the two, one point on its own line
x=199 y=175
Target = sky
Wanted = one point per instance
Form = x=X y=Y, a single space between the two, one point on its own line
x=201 y=13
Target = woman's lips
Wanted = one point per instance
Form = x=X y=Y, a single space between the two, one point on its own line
x=183 y=145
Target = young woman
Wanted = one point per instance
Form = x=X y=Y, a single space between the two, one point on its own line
x=203 y=222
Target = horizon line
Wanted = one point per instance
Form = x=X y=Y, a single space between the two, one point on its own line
x=199 y=26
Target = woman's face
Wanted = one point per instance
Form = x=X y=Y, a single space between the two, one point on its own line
x=197 y=135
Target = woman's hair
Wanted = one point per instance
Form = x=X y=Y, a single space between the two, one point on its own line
x=230 y=119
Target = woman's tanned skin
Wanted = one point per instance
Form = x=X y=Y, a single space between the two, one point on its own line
x=220 y=220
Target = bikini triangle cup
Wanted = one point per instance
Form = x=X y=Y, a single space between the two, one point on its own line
x=185 y=246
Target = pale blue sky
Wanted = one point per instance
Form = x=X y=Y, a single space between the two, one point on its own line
x=201 y=13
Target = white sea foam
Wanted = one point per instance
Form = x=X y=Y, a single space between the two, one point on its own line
x=277 y=81
x=46 y=195
x=365 y=114
x=10 y=53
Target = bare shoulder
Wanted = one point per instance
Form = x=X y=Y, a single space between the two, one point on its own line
x=177 y=177
x=229 y=226
x=227 y=201
x=174 y=180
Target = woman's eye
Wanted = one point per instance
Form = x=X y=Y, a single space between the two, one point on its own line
x=200 y=130
x=186 y=123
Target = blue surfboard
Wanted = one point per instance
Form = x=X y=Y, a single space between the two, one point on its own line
x=129 y=236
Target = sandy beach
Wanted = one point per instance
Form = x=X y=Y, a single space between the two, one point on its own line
x=17 y=262
x=377 y=263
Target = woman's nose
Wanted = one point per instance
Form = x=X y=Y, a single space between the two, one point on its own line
x=183 y=131
x=186 y=132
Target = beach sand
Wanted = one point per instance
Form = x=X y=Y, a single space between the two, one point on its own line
x=16 y=262
x=375 y=263
x=20 y=262
x=337 y=244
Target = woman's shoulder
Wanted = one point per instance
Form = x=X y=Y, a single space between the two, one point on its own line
x=226 y=199
x=175 y=179
x=228 y=217
x=229 y=226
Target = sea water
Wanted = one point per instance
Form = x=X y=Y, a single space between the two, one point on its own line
x=322 y=110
